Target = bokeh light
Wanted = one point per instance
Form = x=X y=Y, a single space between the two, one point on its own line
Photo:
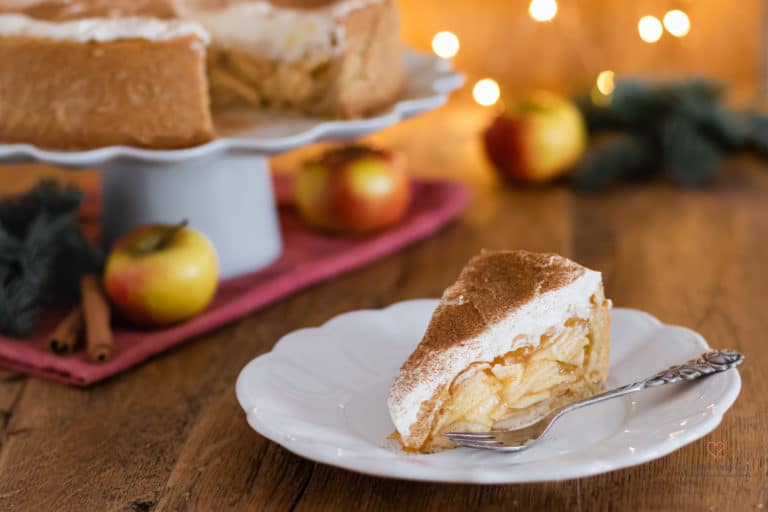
x=543 y=10
x=650 y=29
x=606 y=82
x=677 y=23
x=445 y=44
x=486 y=92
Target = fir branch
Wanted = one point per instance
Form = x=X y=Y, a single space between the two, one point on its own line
x=616 y=157
x=688 y=129
x=758 y=134
x=730 y=130
x=18 y=301
x=42 y=254
x=48 y=196
x=689 y=157
x=637 y=103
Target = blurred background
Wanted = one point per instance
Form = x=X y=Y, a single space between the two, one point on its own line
x=563 y=45
x=507 y=48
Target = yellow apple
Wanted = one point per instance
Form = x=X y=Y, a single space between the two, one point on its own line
x=161 y=274
x=353 y=189
x=537 y=138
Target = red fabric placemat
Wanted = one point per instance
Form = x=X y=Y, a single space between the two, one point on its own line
x=308 y=257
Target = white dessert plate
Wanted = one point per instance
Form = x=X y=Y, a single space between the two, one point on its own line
x=321 y=393
x=429 y=80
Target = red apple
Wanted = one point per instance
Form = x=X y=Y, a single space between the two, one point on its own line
x=537 y=138
x=353 y=189
x=160 y=274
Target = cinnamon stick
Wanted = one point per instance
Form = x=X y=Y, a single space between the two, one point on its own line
x=98 y=334
x=68 y=333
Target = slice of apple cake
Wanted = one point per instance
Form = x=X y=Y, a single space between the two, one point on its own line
x=516 y=336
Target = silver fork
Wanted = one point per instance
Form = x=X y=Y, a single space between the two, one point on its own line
x=521 y=439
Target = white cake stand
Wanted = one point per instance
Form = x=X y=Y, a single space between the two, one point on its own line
x=224 y=188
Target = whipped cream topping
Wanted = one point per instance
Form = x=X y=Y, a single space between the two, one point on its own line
x=279 y=32
x=522 y=327
x=258 y=27
x=101 y=29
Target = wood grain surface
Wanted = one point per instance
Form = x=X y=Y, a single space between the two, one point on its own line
x=170 y=435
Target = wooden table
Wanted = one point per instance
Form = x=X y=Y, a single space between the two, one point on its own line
x=170 y=435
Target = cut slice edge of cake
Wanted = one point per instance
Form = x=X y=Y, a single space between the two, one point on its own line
x=517 y=335
x=328 y=58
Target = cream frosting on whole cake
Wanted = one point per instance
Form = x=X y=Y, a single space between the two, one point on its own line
x=278 y=29
x=100 y=29
x=70 y=10
x=518 y=334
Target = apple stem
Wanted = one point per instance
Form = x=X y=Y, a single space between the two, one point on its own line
x=165 y=240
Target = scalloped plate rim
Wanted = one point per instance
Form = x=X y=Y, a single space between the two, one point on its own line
x=727 y=395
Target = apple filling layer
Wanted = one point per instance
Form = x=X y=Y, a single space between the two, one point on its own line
x=519 y=387
x=237 y=78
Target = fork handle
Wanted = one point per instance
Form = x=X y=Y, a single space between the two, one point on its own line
x=707 y=364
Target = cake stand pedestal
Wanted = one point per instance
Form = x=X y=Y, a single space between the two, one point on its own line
x=228 y=197
x=224 y=188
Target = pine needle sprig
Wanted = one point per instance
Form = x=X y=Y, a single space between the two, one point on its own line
x=685 y=130
x=43 y=254
x=689 y=157
x=613 y=158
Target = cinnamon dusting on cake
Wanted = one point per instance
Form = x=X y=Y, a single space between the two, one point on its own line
x=491 y=285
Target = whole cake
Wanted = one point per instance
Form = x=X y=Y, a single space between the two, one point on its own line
x=89 y=73
x=517 y=335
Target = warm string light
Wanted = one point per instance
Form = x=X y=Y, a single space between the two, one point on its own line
x=606 y=82
x=445 y=44
x=543 y=10
x=486 y=92
x=677 y=23
x=650 y=29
